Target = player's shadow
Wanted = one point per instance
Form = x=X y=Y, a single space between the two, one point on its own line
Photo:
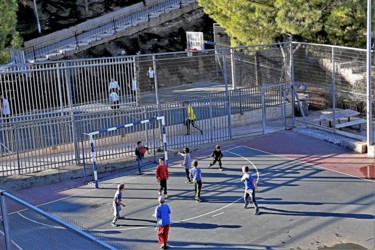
x=275 y=211
x=190 y=225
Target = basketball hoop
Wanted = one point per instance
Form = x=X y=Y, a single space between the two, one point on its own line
x=190 y=51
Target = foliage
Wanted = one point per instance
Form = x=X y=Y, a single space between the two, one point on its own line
x=340 y=22
x=8 y=34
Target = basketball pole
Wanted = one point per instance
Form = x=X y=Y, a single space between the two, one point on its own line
x=369 y=83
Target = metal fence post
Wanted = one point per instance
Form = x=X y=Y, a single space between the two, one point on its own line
x=17 y=148
x=4 y=213
x=263 y=109
x=228 y=97
x=291 y=72
x=60 y=87
x=233 y=69
x=156 y=81
x=283 y=104
x=240 y=94
x=114 y=24
x=70 y=103
x=369 y=98
x=211 y=122
x=333 y=91
x=76 y=39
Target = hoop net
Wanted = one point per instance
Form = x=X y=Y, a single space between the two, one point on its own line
x=190 y=51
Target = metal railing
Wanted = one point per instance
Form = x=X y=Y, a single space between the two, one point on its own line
x=52 y=104
x=31 y=227
x=60 y=43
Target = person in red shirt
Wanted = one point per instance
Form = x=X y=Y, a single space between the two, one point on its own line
x=162 y=176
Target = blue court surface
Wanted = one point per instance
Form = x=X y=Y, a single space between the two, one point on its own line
x=302 y=207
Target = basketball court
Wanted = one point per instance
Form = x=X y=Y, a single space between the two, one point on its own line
x=302 y=205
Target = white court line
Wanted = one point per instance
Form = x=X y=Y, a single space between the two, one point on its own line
x=309 y=164
x=91 y=190
x=40 y=223
x=14 y=243
x=70 y=196
x=217 y=214
x=256 y=169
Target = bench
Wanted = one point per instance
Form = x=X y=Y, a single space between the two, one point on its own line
x=321 y=119
x=351 y=123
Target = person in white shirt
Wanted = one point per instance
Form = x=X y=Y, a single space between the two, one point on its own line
x=113 y=85
x=151 y=76
x=114 y=99
x=134 y=89
x=5 y=108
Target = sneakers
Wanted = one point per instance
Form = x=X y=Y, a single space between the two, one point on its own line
x=257 y=212
x=221 y=169
x=165 y=196
x=198 y=199
x=113 y=224
x=140 y=173
x=245 y=206
x=159 y=193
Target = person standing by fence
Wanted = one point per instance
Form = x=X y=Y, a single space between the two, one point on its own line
x=151 y=77
x=140 y=151
x=114 y=100
x=114 y=86
x=163 y=221
x=5 y=108
x=134 y=89
x=190 y=118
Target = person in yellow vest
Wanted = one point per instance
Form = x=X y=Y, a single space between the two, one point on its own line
x=190 y=118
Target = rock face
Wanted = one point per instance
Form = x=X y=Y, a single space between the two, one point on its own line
x=169 y=37
x=59 y=14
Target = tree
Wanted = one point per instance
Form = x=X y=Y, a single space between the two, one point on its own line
x=8 y=22
x=249 y=22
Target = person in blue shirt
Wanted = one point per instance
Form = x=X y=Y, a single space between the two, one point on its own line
x=196 y=177
x=163 y=221
x=250 y=188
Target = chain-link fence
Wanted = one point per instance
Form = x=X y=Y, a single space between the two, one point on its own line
x=54 y=104
x=29 y=227
x=332 y=81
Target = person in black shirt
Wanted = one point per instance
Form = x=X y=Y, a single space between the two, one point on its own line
x=217 y=155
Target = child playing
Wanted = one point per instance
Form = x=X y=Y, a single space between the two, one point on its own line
x=163 y=221
x=196 y=176
x=186 y=163
x=250 y=187
x=162 y=176
x=217 y=155
x=140 y=154
x=117 y=203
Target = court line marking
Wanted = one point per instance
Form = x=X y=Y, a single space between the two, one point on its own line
x=40 y=223
x=309 y=164
x=256 y=169
x=90 y=190
x=14 y=243
x=217 y=214
x=199 y=216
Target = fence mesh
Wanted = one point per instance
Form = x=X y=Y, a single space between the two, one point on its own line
x=29 y=229
x=54 y=103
